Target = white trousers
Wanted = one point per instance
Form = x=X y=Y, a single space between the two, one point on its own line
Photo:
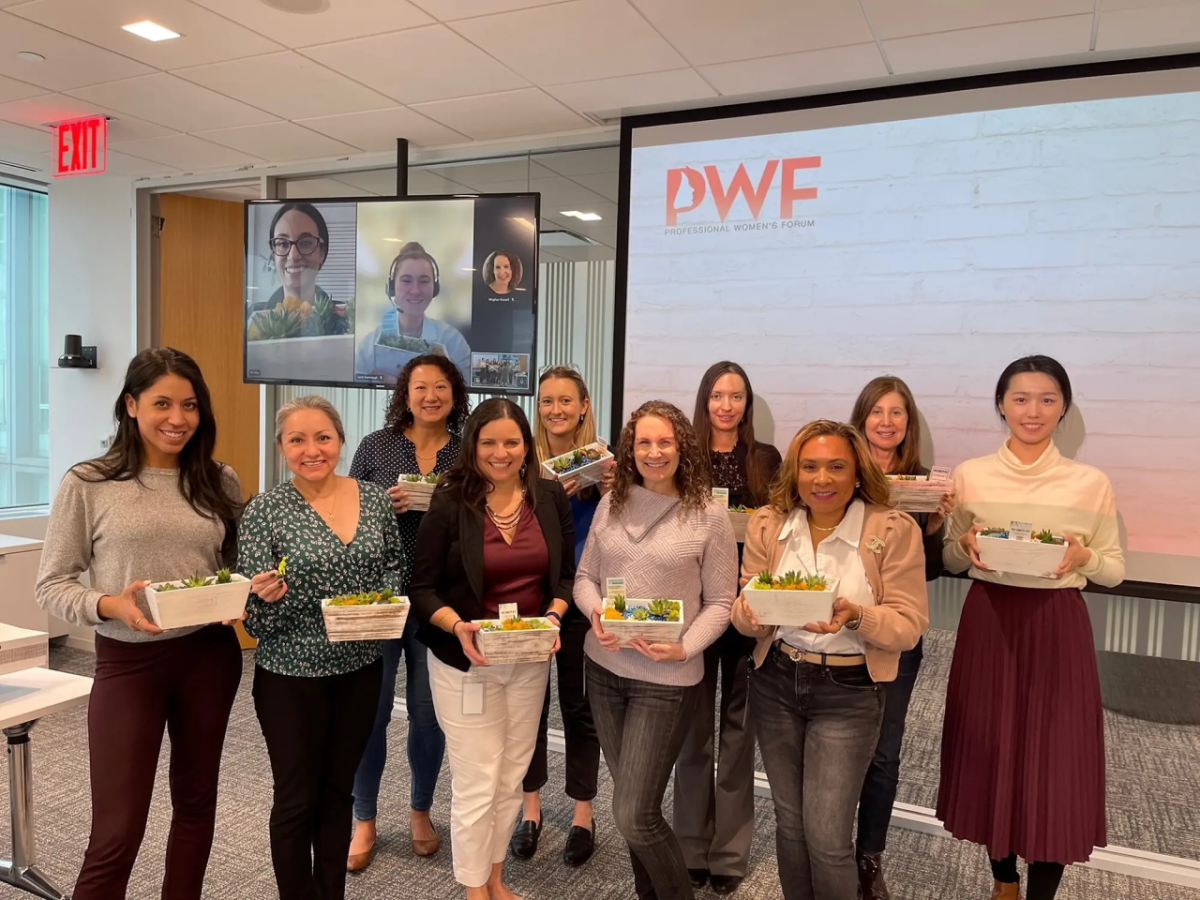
x=489 y=755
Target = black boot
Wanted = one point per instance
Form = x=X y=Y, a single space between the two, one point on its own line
x=870 y=877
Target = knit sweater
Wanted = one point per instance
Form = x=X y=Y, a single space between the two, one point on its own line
x=120 y=532
x=1053 y=492
x=661 y=550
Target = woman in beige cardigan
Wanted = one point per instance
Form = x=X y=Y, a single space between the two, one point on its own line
x=817 y=690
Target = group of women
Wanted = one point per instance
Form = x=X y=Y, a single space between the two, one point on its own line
x=1022 y=755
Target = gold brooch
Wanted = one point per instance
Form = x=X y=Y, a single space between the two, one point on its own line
x=875 y=544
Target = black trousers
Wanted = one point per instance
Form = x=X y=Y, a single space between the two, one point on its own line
x=579 y=731
x=316 y=730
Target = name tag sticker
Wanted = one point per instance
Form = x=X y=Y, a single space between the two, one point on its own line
x=1020 y=531
x=940 y=473
x=721 y=495
x=472 y=696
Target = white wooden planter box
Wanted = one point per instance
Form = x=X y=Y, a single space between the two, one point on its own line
x=419 y=493
x=184 y=607
x=917 y=496
x=739 y=521
x=1020 y=557
x=791 y=608
x=650 y=631
x=502 y=648
x=392 y=359
x=586 y=475
x=21 y=648
x=380 y=622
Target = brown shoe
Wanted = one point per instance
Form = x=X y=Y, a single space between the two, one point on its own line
x=424 y=846
x=356 y=862
x=870 y=877
x=1005 y=891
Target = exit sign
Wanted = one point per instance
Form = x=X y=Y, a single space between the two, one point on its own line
x=81 y=147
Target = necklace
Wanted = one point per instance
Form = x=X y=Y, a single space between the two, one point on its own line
x=327 y=516
x=507 y=521
x=820 y=528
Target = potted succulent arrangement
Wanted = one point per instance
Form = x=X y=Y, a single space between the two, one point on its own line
x=793 y=599
x=366 y=616
x=739 y=518
x=1021 y=551
x=393 y=351
x=655 y=621
x=516 y=639
x=198 y=600
x=586 y=465
x=919 y=493
x=293 y=318
x=420 y=489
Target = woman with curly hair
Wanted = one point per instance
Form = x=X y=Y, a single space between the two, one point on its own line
x=660 y=530
x=420 y=437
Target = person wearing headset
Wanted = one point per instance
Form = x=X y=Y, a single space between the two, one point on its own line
x=413 y=282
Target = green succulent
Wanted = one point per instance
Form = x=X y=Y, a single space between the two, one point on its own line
x=1047 y=537
x=618 y=603
x=195 y=581
x=224 y=576
x=640 y=614
x=662 y=608
x=765 y=579
x=163 y=588
x=276 y=324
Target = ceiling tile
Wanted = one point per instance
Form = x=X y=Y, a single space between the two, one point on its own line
x=1157 y=26
x=904 y=18
x=124 y=164
x=205 y=36
x=287 y=84
x=510 y=114
x=448 y=10
x=981 y=47
x=173 y=102
x=15 y=138
x=1106 y=5
x=10 y=89
x=797 y=70
x=705 y=32
x=186 y=152
x=418 y=65
x=579 y=41
x=50 y=108
x=69 y=63
x=340 y=23
x=601 y=161
x=278 y=142
x=610 y=96
x=604 y=185
x=377 y=131
x=321 y=188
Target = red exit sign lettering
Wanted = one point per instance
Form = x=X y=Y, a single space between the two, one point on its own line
x=81 y=147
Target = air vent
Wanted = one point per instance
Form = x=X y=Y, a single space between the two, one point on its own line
x=17 y=165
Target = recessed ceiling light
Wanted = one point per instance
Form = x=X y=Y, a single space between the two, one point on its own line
x=151 y=31
x=394 y=240
x=30 y=56
x=581 y=216
x=303 y=7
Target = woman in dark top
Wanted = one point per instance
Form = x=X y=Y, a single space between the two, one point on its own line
x=564 y=423
x=496 y=534
x=420 y=436
x=714 y=808
x=886 y=414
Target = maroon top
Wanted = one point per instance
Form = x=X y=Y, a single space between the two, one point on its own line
x=517 y=572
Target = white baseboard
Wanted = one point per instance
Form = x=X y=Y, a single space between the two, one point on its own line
x=76 y=642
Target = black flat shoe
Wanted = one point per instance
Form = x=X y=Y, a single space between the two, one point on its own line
x=581 y=844
x=726 y=884
x=699 y=877
x=524 y=841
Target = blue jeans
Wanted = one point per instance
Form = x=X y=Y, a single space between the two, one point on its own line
x=426 y=743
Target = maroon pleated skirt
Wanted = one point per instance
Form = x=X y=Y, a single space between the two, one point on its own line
x=1023 y=737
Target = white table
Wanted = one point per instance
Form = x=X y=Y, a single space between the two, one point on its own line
x=25 y=697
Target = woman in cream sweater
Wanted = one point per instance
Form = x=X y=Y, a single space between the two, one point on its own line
x=817 y=691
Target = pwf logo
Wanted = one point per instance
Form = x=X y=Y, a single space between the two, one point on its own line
x=687 y=188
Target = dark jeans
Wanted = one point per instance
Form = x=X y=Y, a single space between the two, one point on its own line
x=641 y=728
x=185 y=685
x=315 y=729
x=817 y=728
x=426 y=743
x=583 y=747
x=883 y=777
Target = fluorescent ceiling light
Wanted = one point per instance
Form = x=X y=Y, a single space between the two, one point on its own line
x=394 y=240
x=151 y=31
x=581 y=216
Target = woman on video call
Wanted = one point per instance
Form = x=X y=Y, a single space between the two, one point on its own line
x=413 y=282
x=299 y=242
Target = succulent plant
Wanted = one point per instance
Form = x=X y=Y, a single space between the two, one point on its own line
x=640 y=614
x=618 y=603
x=367 y=598
x=224 y=576
x=195 y=581
x=662 y=608
x=274 y=324
x=1047 y=537
x=765 y=579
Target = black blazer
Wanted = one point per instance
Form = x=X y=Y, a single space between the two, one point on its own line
x=448 y=570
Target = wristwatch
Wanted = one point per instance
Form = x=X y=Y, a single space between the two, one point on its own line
x=853 y=626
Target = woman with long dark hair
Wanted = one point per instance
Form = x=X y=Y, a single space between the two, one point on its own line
x=1023 y=737
x=496 y=534
x=714 y=793
x=420 y=436
x=156 y=507
x=885 y=413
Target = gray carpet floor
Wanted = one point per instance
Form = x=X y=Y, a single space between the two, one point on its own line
x=921 y=867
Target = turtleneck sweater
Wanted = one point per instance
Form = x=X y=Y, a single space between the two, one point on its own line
x=1067 y=497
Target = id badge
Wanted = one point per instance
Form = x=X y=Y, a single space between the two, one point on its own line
x=472 y=695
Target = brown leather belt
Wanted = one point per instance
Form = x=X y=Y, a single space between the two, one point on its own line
x=820 y=659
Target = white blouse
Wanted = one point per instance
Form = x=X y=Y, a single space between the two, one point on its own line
x=836 y=557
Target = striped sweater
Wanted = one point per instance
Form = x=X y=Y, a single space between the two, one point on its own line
x=1055 y=493
x=661 y=551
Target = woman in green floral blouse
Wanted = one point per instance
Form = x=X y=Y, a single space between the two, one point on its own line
x=315 y=700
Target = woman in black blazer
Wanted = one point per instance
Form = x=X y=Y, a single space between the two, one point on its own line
x=495 y=535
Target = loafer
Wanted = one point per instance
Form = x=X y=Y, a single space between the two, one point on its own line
x=580 y=846
x=1005 y=891
x=525 y=838
x=725 y=884
x=699 y=877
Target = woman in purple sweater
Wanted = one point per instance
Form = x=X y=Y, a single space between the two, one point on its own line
x=660 y=531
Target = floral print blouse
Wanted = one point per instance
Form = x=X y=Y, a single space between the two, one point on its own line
x=291 y=631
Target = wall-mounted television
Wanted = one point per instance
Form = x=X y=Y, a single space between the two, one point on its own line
x=343 y=293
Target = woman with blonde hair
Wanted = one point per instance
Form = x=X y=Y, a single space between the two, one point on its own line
x=817 y=690
x=565 y=422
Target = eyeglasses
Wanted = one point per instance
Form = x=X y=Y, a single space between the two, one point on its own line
x=306 y=244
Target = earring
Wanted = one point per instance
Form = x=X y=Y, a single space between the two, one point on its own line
x=858 y=484
x=524 y=469
x=581 y=420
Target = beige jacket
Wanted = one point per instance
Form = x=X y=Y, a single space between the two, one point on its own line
x=894 y=562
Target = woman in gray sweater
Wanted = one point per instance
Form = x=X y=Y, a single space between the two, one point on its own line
x=660 y=531
x=155 y=508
